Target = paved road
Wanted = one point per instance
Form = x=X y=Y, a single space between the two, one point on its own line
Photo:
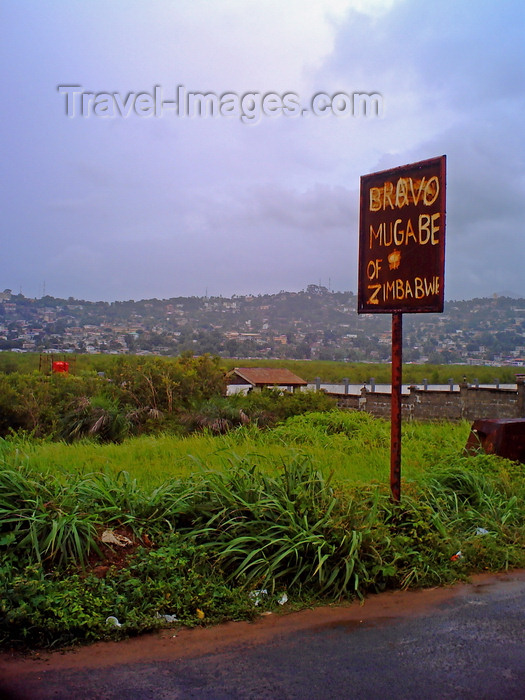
x=464 y=642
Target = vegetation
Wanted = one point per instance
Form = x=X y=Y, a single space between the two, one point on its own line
x=134 y=494
x=133 y=489
x=134 y=396
x=300 y=508
x=328 y=371
x=360 y=372
x=353 y=445
x=107 y=398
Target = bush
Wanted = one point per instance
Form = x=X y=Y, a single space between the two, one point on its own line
x=39 y=609
x=98 y=417
x=167 y=385
x=271 y=406
x=136 y=395
x=290 y=530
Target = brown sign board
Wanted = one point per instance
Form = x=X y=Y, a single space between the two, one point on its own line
x=402 y=239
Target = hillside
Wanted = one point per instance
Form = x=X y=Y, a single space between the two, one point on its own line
x=312 y=324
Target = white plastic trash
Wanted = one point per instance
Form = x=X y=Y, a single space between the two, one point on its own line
x=257 y=596
x=112 y=620
x=481 y=531
x=168 y=618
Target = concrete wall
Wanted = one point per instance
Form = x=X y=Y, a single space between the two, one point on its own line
x=469 y=403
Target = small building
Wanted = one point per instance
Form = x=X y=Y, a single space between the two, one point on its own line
x=256 y=378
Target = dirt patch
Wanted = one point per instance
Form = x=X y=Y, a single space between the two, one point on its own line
x=116 y=547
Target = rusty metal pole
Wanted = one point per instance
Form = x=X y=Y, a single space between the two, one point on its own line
x=395 y=415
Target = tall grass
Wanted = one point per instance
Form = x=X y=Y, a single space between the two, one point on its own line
x=290 y=529
x=42 y=519
x=303 y=508
x=297 y=527
x=352 y=445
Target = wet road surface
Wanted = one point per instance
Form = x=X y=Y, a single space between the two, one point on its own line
x=467 y=641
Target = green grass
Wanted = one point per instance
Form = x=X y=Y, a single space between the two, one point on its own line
x=148 y=458
x=303 y=508
x=354 y=446
x=359 y=372
x=329 y=371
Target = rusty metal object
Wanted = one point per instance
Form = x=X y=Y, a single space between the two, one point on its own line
x=395 y=417
x=402 y=239
x=500 y=436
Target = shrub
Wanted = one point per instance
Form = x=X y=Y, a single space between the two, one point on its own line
x=99 y=418
x=39 y=609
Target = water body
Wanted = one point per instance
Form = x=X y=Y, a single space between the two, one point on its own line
x=386 y=388
x=355 y=389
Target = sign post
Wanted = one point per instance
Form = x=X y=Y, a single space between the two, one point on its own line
x=402 y=261
x=395 y=406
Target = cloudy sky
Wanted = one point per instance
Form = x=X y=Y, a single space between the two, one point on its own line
x=155 y=204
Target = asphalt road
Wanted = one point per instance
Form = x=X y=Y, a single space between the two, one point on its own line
x=463 y=642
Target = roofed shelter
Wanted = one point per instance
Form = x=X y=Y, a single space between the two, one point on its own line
x=259 y=377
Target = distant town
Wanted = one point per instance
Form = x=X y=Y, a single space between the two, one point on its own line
x=315 y=323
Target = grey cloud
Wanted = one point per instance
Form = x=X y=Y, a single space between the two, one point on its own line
x=139 y=208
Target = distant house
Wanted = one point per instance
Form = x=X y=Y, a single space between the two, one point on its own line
x=256 y=378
